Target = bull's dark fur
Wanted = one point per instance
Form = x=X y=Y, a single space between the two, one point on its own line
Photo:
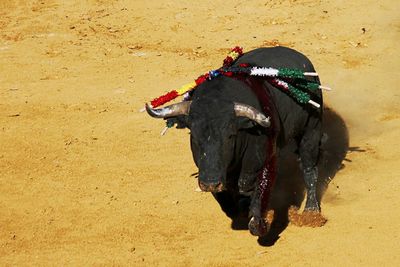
x=232 y=150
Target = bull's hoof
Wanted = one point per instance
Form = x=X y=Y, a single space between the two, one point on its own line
x=258 y=226
x=312 y=205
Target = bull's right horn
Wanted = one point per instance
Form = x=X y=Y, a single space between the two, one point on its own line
x=174 y=110
x=243 y=110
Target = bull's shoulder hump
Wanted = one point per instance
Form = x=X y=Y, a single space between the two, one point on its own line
x=274 y=51
x=276 y=57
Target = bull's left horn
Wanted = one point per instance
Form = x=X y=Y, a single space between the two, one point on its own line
x=174 y=110
x=243 y=110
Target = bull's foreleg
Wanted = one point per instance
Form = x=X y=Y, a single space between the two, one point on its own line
x=252 y=163
x=257 y=176
x=258 y=225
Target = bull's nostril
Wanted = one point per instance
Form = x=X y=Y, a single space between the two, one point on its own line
x=202 y=187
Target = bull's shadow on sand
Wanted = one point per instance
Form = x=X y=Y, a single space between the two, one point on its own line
x=289 y=189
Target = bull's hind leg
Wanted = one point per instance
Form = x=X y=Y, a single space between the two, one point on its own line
x=309 y=153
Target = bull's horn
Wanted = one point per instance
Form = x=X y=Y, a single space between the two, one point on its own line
x=243 y=110
x=181 y=108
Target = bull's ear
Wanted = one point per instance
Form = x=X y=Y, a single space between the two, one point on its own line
x=180 y=122
x=245 y=123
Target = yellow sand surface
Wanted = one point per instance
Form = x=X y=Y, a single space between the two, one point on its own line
x=86 y=179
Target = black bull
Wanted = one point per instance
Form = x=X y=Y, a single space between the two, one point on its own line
x=235 y=146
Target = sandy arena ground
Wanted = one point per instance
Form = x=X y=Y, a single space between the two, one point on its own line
x=85 y=179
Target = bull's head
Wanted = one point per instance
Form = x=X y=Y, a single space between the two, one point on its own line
x=213 y=127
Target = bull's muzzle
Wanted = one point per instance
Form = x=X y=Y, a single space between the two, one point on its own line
x=211 y=187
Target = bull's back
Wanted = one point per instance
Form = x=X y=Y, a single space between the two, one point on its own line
x=276 y=57
x=293 y=116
